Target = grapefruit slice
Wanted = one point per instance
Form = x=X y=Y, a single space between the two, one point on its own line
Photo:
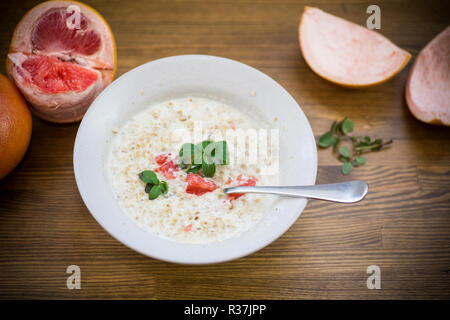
x=346 y=53
x=428 y=87
x=62 y=55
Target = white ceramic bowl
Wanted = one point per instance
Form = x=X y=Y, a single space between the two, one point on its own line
x=193 y=75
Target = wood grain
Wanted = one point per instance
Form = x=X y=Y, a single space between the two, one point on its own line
x=403 y=226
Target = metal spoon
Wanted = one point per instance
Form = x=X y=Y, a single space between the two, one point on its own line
x=347 y=192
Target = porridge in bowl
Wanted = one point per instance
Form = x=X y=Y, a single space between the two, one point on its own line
x=173 y=198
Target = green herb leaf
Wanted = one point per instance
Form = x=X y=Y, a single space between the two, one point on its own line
x=220 y=153
x=347 y=168
x=202 y=145
x=206 y=155
x=195 y=169
x=347 y=125
x=148 y=187
x=327 y=140
x=334 y=126
x=148 y=176
x=216 y=152
x=343 y=159
x=360 y=160
x=186 y=155
x=350 y=157
x=208 y=169
x=154 y=193
x=336 y=143
x=363 y=144
x=344 y=152
x=164 y=187
x=188 y=147
x=198 y=152
x=377 y=144
x=181 y=164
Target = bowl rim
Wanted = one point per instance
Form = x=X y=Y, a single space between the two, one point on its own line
x=128 y=242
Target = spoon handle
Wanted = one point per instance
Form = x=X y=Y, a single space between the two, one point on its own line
x=346 y=192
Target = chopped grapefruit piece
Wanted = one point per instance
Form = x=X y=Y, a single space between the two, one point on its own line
x=242 y=183
x=198 y=185
x=166 y=167
x=162 y=158
x=345 y=53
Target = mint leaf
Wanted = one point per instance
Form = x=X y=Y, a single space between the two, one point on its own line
x=186 y=155
x=327 y=140
x=148 y=176
x=344 y=152
x=208 y=169
x=360 y=160
x=347 y=168
x=336 y=143
x=216 y=152
x=195 y=169
x=148 y=187
x=164 y=187
x=202 y=145
x=154 y=193
x=334 y=126
x=347 y=125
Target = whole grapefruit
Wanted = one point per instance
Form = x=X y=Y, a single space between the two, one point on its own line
x=15 y=126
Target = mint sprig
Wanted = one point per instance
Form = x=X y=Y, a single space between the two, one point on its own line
x=203 y=157
x=153 y=186
x=339 y=132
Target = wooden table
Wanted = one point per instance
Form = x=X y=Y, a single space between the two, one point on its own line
x=403 y=225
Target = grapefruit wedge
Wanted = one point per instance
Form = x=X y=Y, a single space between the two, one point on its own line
x=346 y=53
x=428 y=87
x=62 y=55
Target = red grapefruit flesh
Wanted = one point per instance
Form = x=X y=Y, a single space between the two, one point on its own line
x=167 y=167
x=80 y=40
x=346 y=53
x=196 y=184
x=61 y=56
x=242 y=183
x=54 y=76
x=428 y=86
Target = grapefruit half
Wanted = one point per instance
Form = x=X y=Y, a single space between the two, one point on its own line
x=346 y=53
x=62 y=55
x=428 y=87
